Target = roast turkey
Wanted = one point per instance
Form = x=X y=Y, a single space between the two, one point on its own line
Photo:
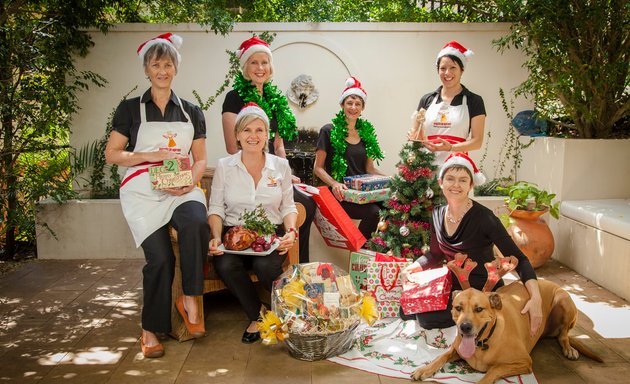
x=239 y=238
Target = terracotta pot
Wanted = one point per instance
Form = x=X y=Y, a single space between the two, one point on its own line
x=532 y=235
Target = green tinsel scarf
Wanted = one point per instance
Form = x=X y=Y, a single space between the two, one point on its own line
x=338 y=140
x=272 y=102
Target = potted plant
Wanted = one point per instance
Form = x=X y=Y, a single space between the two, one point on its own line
x=526 y=203
x=525 y=197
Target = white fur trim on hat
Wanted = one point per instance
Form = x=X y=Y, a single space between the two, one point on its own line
x=353 y=87
x=251 y=46
x=169 y=38
x=456 y=49
x=463 y=160
x=253 y=109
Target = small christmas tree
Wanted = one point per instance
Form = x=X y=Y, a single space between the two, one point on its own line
x=404 y=226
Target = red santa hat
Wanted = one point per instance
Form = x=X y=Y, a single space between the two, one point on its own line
x=169 y=38
x=456 y=49
x=462 y=159
x=252 y=109
x=353 y=87
x=251 y=46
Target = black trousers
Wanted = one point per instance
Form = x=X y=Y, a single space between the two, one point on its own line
x=193 y=234
x=305 y=229
x=233 y=270
x=367 y=213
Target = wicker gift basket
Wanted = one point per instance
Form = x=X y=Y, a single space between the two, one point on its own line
x=315 y=309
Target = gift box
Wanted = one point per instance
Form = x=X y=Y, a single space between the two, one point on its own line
x=366 y=182
x=385 y=283
x=173 y=173
x=365 y=197
x=426 y=291
x=336 y=227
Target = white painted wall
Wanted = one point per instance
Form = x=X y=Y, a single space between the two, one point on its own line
x=394 y=61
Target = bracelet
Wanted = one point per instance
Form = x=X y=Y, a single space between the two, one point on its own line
x=294 y=230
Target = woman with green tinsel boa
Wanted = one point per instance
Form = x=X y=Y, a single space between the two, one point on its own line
x=348 y=147
x=253 y=85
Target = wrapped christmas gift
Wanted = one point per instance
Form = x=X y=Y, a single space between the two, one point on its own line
x=365 y=197
x=172 y=173
x=366 y=182
x=357 y=267
x=315 y=309
x=426 y=291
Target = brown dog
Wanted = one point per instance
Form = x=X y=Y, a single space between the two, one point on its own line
x=494 y=337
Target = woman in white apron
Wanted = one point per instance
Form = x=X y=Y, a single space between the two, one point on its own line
x=454 y=117
x=146 y=131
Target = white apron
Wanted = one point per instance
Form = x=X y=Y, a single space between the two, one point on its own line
x=146 y=209
x=442 y=120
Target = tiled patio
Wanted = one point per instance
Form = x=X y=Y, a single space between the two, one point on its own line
x=78 y=321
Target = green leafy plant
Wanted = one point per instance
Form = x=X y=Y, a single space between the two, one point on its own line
x=528 y=197
x=258 y=221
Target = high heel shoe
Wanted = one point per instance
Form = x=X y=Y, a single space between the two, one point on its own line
x=250 y=337
x=153 y=351
x=196 y=330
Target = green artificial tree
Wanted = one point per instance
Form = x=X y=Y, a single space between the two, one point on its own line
x=404 y=227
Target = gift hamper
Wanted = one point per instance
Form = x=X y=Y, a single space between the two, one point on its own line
x=315 y=309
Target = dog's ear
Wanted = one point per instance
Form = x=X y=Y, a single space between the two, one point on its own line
x=495 y=301
x=455 y=293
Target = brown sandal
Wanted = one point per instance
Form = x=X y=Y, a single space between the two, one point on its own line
x=195 y=330
x=152 y=351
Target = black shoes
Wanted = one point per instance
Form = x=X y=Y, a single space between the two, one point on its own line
x=250 y=337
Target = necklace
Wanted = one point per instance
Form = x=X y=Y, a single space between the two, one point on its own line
x=451 y=219
x=338 y=141
x=272 y=101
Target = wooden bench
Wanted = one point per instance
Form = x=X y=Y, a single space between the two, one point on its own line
x=212 y=283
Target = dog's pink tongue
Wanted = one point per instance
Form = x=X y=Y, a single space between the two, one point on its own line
x=467 y=347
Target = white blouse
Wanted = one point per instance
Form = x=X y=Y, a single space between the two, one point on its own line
x=233 y=190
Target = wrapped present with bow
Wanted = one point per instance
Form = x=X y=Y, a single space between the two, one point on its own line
x=366 y=197
x=366 y=182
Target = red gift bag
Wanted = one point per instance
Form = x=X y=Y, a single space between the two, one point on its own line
x=426 y=291
x=336 y=227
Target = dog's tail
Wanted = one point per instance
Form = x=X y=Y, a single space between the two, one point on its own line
x=584 y=350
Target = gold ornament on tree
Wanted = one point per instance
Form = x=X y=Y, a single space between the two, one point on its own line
x=382 y=226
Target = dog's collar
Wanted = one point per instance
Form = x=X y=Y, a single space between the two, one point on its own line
x=483 y=343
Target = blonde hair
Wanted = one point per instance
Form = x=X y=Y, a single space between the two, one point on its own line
x=244 y=122
x=244 y=66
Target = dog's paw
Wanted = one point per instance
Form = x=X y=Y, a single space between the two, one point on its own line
x=422 y=373
x=570 y=353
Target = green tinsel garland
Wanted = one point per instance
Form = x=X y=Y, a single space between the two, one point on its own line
x=272 y=102
x=338 y=140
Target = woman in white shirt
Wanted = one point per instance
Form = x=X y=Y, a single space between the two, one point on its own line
x=242 y=181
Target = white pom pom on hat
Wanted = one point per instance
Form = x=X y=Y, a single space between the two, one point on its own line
x=169 y=38
x=353 y=87
x=462 y=159
x=456 y=49
x=252 y=109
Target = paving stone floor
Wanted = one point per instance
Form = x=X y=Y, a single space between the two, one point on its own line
x=78 y=322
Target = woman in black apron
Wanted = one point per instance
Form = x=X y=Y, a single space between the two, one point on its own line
x=147 y=130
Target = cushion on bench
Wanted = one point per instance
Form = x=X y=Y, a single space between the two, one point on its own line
x=609 y=215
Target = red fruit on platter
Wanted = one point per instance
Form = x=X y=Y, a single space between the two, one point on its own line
x=260 y=240
x=257 y=248
x=267 y=246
